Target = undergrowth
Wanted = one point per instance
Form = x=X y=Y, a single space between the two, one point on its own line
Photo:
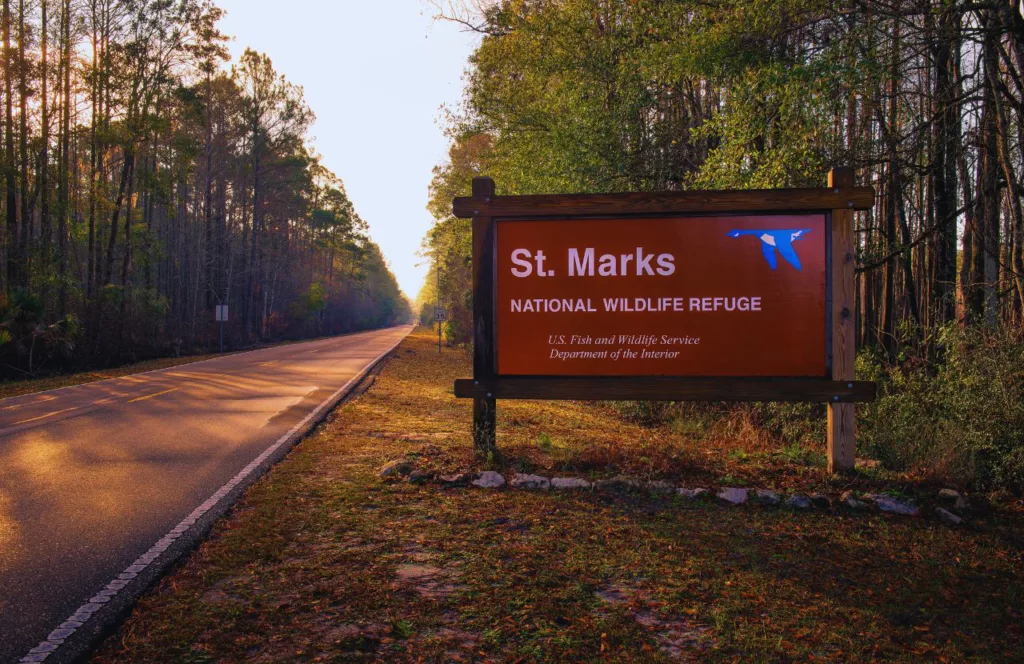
x=951 y=410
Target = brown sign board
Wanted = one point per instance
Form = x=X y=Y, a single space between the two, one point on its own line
x=729 y=295
x=705 y=295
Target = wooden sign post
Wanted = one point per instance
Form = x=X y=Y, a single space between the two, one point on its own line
x=484 y=403
x=700 y=295
x=841 y=419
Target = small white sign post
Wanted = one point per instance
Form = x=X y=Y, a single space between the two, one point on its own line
x=440 y=316
x=222 y=317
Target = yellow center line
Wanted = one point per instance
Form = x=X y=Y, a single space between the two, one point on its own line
x=40 y=417
x=193 y=375
x=42 y=399
x=150 y=396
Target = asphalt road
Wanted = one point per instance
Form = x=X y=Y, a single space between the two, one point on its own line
x=92 y=475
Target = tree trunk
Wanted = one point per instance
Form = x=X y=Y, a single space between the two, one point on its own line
x=45 y=234
x=14 y=259
x=126 y=263
x=65 y=171
x=255 y=272
x=126 y=168
x=893 y=195
x=945 y=139
x=1015 y=264
x=94 y=157
x=26 y=212
x=209 y=251
x=984 y=305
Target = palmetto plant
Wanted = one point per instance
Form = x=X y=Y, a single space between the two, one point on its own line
x=27 y=342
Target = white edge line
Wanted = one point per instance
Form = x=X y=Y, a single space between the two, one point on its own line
x=81 y=615
x=189 y=364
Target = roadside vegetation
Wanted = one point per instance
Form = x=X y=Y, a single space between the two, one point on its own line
x=147 y=180
x=958 y=419
x=923 y=99
x=323 y=560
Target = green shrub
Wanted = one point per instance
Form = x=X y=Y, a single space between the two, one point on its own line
x=27 y=342
x=951 y=409
x=801 y=424
x=959 y=417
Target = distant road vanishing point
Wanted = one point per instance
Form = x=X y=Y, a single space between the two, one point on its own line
x=92 y=476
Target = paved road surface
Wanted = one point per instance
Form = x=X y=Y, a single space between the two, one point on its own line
x=92 y=475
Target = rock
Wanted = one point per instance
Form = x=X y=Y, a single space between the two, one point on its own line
x=569 y=483
x=849 y=499
x=420 y=477
x=489 y=480
x=821 y=501
x=693 y=494
x=732 y=495
x=659 y=486
x=798 y=501
x=455 y=479
x=767 y=497
x=397 y=467
x=954 y=499
x=894 y=505
x=525 y=481
x=617 y=483
x=948 y=517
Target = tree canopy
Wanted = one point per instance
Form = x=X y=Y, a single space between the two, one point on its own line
x=924 y=98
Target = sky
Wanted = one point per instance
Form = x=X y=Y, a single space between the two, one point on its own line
x=375 y=73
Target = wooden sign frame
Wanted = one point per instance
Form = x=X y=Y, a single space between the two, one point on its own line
x=840 y=391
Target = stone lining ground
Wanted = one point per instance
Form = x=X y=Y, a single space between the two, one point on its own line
x=952 y=510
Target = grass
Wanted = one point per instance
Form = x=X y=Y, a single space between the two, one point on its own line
x=322 y=561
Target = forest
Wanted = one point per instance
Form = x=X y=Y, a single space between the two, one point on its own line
x=924 y=98
x=147 y=179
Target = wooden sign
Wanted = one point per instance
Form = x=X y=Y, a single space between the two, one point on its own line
x=705 y=295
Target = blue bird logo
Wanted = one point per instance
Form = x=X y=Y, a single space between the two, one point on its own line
x=779 y=240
